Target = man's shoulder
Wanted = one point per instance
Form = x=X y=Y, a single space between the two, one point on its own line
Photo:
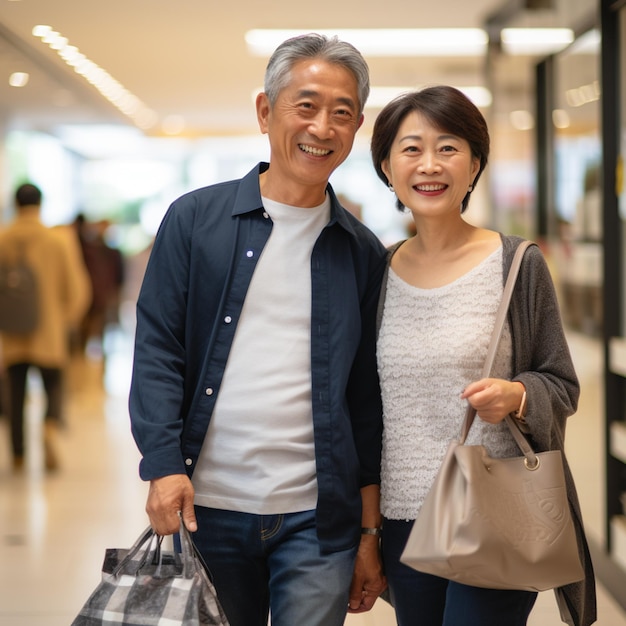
x=209 y=193
x=19 y=231
x=367 y=236
x=231 y=197
x=222 y=189
x=208 y=205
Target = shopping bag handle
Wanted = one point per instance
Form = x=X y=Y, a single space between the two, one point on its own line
x=149 y=547
x=531 y=458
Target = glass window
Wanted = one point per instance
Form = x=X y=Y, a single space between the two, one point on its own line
x=576 y=223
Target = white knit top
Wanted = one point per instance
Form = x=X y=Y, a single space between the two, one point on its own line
x=432 y=344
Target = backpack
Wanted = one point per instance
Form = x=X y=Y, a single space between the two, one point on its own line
x=19 y=296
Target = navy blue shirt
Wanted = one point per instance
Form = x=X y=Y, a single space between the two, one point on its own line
x=192 y=295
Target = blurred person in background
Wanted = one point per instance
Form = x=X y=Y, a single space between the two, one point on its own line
x=63 y=296
x=105 y=266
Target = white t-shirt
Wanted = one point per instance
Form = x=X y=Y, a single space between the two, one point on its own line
x=258 y=455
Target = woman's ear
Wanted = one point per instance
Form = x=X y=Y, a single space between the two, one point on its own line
x=475 y=170
x=384 y=166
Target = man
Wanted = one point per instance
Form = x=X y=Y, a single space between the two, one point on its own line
x=62 y=297
x=255 y=392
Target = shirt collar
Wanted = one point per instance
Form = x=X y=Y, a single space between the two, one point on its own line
x=248 y=199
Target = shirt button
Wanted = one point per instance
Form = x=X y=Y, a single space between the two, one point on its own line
x=188 y=462
x=250 y=253
x=208 y=391
x=228 y=319
x=265 y=214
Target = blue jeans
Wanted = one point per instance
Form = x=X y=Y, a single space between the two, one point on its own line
x=272 y=563
x=425 y=600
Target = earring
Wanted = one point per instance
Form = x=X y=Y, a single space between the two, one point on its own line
x=390 y=187
x=470 y=189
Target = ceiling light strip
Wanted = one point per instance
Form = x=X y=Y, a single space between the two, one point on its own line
x=111 y=89
x=417 y=42
x=381 y=42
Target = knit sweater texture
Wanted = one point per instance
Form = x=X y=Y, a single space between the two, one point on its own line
x=424 y=362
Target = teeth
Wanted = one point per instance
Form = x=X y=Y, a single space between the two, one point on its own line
x=313 y=151
x=430 y=187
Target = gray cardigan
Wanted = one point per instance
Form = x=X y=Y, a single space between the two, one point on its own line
x=542 y=362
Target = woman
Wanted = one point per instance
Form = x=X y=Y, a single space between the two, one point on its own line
x=438 y=308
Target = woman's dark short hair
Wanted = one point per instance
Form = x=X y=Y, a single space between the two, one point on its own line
x=447 y=109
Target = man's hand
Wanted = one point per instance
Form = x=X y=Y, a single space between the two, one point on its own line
x=368 y=581
x=167 y=496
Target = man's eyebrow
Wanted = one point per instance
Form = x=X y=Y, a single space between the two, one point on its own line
x=349 y=102
x=311 y=93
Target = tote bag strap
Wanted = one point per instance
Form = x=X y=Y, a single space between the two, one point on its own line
x=495 y=340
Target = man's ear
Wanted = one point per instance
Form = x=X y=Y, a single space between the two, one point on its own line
x=263 y=110
x=361 y=120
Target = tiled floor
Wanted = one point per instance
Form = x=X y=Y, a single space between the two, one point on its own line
x=54 y=529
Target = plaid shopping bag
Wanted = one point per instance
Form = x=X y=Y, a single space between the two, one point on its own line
x=146 y=586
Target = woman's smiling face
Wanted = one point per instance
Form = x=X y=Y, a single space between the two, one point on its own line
x=430 y=169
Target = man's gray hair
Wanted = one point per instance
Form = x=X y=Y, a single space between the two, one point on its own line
x=315 y=46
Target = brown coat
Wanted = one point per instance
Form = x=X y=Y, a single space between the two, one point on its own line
x=64 y=290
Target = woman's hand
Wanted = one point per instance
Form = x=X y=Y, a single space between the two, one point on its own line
x=494 y=398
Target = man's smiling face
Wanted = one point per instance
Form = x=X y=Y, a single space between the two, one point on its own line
x=311 y=129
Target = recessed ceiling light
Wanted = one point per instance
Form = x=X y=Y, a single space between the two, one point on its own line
x=18 y=79
x=522 y=119
x=560 y=118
